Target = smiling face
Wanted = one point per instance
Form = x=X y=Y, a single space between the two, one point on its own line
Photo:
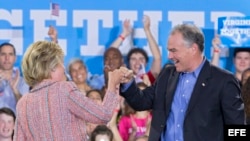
x=180 y=53
x=78 y=72
x=6 y=126
x=112 y=60
x=242 y=61
x=135 y=61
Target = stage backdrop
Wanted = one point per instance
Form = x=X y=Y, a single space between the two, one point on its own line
x=86 y=28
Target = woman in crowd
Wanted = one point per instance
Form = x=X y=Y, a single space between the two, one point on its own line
x=55 y=109
x=245 y=76
x=246 y=99
x=78 y=73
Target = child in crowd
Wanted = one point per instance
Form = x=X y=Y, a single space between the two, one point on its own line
x=134 y=124
x=96 y=96
x=101 y=133
x=7 y=123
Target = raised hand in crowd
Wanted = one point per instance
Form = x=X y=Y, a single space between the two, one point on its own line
x=53 y=34
x=126 y=31
x=216 y=42
x=148 y=125
x=132 y=135
x=241 y=57
x=14 y=85
x=4 y=75
x=156 y=64
x=112 y=124
x=146 y=22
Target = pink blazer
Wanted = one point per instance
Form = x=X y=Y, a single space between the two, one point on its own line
x=55 y=111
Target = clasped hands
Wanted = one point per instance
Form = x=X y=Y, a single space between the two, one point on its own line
x=121 y=75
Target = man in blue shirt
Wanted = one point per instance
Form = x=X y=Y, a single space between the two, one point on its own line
x=12 y=85
x=191 y=100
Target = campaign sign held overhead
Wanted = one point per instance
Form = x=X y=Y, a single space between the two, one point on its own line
x=234 y=31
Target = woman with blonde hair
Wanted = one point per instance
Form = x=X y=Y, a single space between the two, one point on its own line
x=54 y=109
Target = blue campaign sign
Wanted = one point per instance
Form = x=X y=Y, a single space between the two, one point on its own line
x=234 y=31
x=86 y=28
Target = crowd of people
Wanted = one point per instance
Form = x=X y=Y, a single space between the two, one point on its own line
x=190 y=99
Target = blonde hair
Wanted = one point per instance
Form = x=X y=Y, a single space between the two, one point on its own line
x=39 y=59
